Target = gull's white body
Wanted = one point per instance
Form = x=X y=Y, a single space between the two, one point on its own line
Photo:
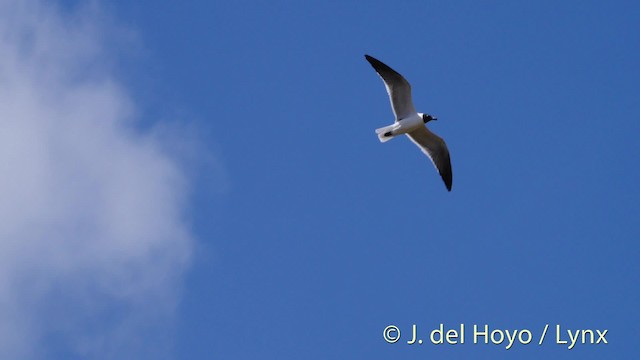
x=403 y=126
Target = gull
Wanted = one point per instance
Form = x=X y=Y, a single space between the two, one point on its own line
x=410 y=122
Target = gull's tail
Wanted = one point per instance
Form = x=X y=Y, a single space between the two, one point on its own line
x=386 y=133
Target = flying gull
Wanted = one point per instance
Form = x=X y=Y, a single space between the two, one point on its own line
x=410 y=122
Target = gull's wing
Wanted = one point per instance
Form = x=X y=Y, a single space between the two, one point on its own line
x=398 y=88
x=436 y=149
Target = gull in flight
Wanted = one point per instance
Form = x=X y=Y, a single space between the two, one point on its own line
x=410 y=122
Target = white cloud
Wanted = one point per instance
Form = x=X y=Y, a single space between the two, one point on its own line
x=93 y=243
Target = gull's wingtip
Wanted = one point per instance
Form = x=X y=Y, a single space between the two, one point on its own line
x=448 y=180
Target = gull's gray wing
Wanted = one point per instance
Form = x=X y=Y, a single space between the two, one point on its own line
x=397 y=86
x=436 y=149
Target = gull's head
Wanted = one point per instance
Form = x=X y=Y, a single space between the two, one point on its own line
x=426 y=118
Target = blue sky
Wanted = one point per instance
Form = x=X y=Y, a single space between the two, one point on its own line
x=245 y=133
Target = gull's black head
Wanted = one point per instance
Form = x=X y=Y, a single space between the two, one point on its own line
x=426 y=118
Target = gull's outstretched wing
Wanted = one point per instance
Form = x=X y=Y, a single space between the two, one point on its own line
x=397 y=86
x=436 y=149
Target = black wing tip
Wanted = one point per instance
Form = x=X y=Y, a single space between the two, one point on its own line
x=384 y=70
x=447 y=178
x=371 y=59
x=447 y=181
